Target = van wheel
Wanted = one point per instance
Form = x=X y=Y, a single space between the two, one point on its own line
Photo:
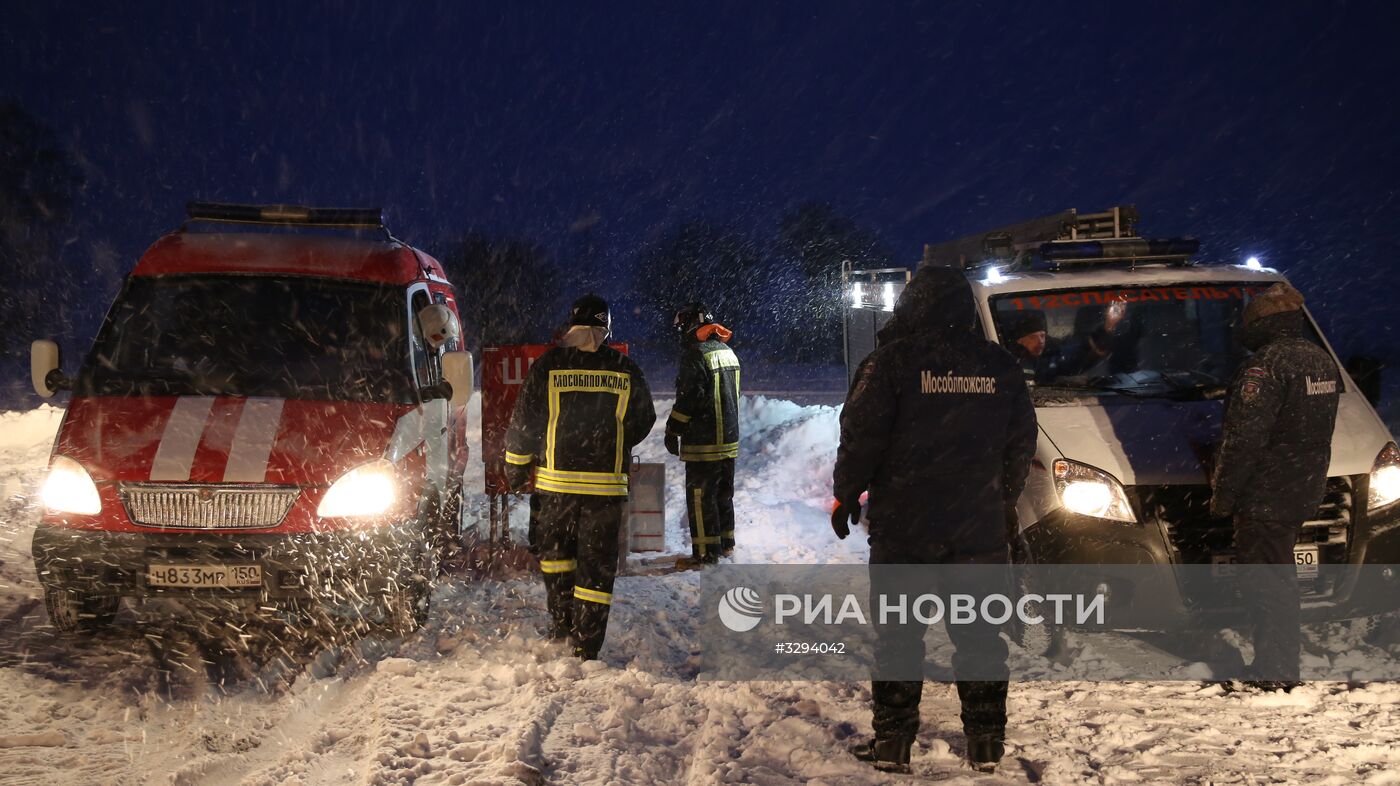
x=1382 y=630
x=408 y=607
x=1046 y=640
x=445 y=529
x=406 y=610
x=71 y=611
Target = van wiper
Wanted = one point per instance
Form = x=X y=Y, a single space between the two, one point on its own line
x=189 y=381
x=1054 y=386
x=152 y=374
x=1194 y=393
x=1170 y=389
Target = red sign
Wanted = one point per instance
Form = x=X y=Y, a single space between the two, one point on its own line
x=503 y=371
x=1098 y=297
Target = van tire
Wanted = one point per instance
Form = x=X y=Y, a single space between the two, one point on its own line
x=73 y=612
x=1040 y=641
x=445 y=527
x=408 y=607
x=1046 y=640
x=1382 y=630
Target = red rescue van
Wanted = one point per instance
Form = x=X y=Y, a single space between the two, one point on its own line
x=272 y=415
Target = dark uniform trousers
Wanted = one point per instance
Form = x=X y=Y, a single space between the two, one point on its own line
x=709 y=498
x=577 y=541
x=1270 y=593
x=979 y=650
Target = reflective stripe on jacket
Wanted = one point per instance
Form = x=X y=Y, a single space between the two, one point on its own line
x=577 y=419
x=706 y=415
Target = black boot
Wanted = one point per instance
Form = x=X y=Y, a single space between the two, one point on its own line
x=984 y=751
x=1271 y=686
x=887 y=754
x=559 y=630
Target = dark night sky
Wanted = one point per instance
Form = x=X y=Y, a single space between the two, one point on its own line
x=1261 y=128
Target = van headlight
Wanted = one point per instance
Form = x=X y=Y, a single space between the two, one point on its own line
x=69 y=489
x=1091 y=492
x=1385 y=478
x=367 y=490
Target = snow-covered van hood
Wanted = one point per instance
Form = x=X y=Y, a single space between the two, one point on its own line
x=1159 y=442
x=209 y=439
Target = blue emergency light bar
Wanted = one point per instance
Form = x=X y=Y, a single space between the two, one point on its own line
x=287 y=215
x=1128 y=249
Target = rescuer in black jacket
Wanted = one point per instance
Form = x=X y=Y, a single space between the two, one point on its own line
x=704 y=429
x=939 y=428
x=583 y=407
x=1270 y=470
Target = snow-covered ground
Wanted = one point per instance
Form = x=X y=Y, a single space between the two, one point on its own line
x=477 y=698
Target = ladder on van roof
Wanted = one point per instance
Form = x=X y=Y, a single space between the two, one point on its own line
x=1063 y=239
x=1008 y=243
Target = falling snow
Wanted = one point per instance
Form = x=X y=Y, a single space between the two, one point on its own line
x=476 y=696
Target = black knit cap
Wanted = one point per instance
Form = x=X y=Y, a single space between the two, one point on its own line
x=1025 y=324
x=591 y=311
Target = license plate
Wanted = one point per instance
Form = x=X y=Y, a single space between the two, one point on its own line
x=1305 y=557
x=204 y=575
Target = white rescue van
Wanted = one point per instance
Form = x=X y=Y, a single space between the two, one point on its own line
x=1138 y=345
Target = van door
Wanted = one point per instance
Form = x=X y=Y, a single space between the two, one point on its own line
x=435 y=414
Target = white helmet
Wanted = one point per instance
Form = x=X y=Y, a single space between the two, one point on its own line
x=439 y=325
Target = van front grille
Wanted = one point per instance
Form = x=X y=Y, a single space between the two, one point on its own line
x=1199 y=538
x=186 y=506
x=1331 y=525
x=1185 y=510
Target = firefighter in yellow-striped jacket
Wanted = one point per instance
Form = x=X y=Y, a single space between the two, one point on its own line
x=704 y=429
x=583 y=407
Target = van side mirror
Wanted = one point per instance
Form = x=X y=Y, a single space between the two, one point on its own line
x=457 y=371
x=1365 y=371
x=439 y=326
x=45 y=368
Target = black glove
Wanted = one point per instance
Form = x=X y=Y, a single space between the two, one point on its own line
x=843 y=514
x=673 y=444
x=517 y=477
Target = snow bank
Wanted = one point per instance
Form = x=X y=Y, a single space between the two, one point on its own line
x=782 y=484
x=782 y=490
x=25 y=441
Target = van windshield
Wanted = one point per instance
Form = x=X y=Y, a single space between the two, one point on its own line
x=1173 y=341
x=288 y=337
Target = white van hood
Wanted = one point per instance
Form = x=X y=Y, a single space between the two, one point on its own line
x=1160 y=442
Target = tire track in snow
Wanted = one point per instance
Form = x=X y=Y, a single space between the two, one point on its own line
x=625 y=727
x=235 y=760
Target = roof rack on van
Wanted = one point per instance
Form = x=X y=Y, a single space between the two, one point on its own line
x=287 y=215
x=1061 y=239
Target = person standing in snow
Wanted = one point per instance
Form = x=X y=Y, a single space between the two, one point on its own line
x=704 y=429
x=1270 y=471
x=583 y=407
x=939 y=427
